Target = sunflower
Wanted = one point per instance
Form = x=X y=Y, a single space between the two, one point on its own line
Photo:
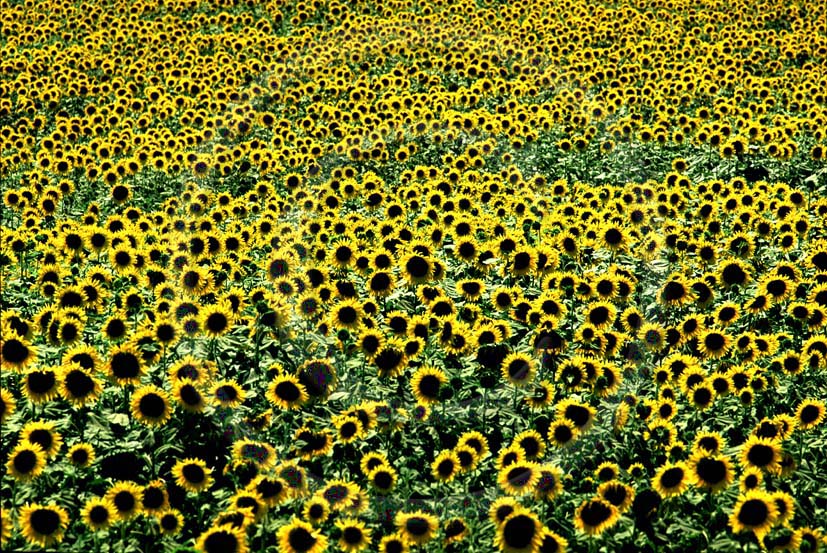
x=346 y=314
x=518 y=369
x=426 y=383
x=712 y=472
x=185 y=392
x=562 y=432
x=394 y=543
x=154 y=498
x=286 y=392
x=809 y=414
x=709 y=442
x=249 y=500
x=754 y=511
x=751 y=479
x=671 y=479
x=618 y=494
x=595 y=516
x=125 y=365
x=43 y=525
x=41 y=385
x=260 y=453
x=520 y=532
x=519 y=478
x=733 y=272
x=227 y=393
x=348 y=428
x=714 y=343
x=541 y=396
x=455 y=530
x=150 y=406
x=316 y=510
x=26 y=461
x=300 y=537
x=16 y=354
x=78 y=386
x=532 y=444
x=354 y=535
x=549 y=483
x=416 y=268
x=43 y=433
x=762 y=453
x=8 y=405
x=582 y=415
x=192 y=475
x=170 y=522
x=417 y=528
x=98 y=513
x=81 y=455
x=653 y=336
x=446 y=466
x=125 y=497
x=222 y=539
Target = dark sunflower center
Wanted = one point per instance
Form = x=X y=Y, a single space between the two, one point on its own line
x=519 y=476
x=301 y=540
x=702 y=396
x=41 y=437
x=714 y=341
x=221 y=541
x=15 y=351
x=809 y=414
x=429 y=386
x=577 y=414
x=99 y=514
x=519 y=531
x=417 y=267
x=80 y=456
x=417 y=526
x=190 y=395
x=595 y=513
x=153 y=498
x=125 y=365
x=733 y=274
x=599 y=315
x=40 y=382
x=760 y=455
x=753 y=512
x=352 y=535
x=288 y=391
x=45 y=521
x=711 y=470
x=152 y=406
x=193 y=473
x=530 y=446
x=613 y=237
x=79 y=383
x=563 y=434
x=348 y=315
x=380 y=282
x=124 y=501
x=169 y=522
x=25 y=461
x=615 y=495
x=671 y=477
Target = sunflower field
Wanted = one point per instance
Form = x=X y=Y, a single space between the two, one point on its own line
x=296 y=276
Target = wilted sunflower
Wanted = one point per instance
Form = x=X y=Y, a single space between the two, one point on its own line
x=300 y=537
x=150 y=406
x=418 y=527
x=595 y=516
x=192 y=475
x=98 y=513
x=754 y=511
x=43 y=525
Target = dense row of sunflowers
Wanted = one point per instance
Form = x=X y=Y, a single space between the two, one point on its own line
x=438 y=276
